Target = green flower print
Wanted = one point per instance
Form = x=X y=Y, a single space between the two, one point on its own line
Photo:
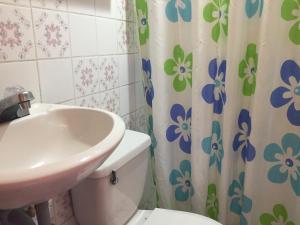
x=212 y=202
x=290 y=10
x=217 y=12
x=180 y=67
x=143 y=25
x=279 y=216
x=247 y=70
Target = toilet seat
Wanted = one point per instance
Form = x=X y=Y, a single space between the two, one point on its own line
x=170 y=217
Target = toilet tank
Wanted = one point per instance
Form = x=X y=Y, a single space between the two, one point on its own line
x=111 y=194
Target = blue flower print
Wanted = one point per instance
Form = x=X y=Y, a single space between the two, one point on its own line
x=213 y=146
x=252 y=6
x=240 y=203
x=181 y=179
x=285 y=160
x=181 y=129
x=181 y=7
x=289 y=94
x=151 y=134
x=148 y=87
x=215 y=93
x=241 y=140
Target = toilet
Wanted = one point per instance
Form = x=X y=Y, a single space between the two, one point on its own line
x=111 y=195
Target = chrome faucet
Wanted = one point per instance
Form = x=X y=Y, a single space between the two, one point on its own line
x=15 y=104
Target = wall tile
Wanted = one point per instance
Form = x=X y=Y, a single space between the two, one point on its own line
x=83 y=35
x=104 y=8
x=130 y=120
x=109 y=72
x=126 y=37
x=139 y=94
x=106 y=33
x=110 y=100
x=82 y=6
x=50 y=4
x=127 y=99
x=16 y=36
x=138 y=68
x=56 y=80
x=141 y=120
x=62 y=208
x=52 y=33
x=126 y=69
x=86 y=76
x=17 y=2
x=20 y=73
x=92 y=101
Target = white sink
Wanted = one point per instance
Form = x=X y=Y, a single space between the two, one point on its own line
x=52 y=149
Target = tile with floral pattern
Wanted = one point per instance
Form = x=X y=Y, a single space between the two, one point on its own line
x=110 y=100
x=142 y=120
x=16 y=34
x=91 y=101
x=86 y=76
x=17 y=2
x=125 y=10
x=129 y=120
x=109 y=77
x=127 y=38
x=52 y=33
x=53 y=4
x=62 y=207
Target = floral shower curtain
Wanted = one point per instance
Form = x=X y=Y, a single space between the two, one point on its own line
x=222 y=85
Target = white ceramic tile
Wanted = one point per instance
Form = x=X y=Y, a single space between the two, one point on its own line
x=104 y=8
x=123 y=9
x=126 y=69
x=16 y=36
x=106 y=34
x=126 y=37
x=141 y=120
x=83 y=35
x=56 y=80
x=109 y=72
x=92 y=101
x=139 y=95
x=17 y=2
x=138 y=68
x=129 y=120
x=127 y=99
x=50 y=4
x=110 y=100
x=52 y=33
x=69 y=102
x=62 y=208
x=82 y=6
x=86 y=76
x=20 y=73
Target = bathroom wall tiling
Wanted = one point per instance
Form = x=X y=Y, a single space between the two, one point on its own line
x=74 y=52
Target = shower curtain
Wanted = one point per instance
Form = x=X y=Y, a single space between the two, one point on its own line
x=222 y=86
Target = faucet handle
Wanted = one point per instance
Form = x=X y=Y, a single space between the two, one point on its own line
x=9 y=91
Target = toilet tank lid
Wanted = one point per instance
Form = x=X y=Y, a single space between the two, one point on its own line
x=132 y=144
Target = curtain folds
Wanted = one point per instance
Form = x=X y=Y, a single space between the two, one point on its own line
x=222 y=86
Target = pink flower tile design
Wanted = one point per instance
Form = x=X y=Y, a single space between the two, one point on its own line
x=62 y=208
x=125 y=9
x=111 y=101
x=86 y=76
x=130 y=120
x=109 y=77
x=141 y=120
x=52 y=33
x=50 y=4
x=17 y=2
x=91 y=101
x=71 y=221
x=16 y=34
x=127 y=41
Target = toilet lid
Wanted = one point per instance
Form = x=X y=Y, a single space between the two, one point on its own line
x=173 y=217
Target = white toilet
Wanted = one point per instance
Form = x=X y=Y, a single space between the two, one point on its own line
x=110 y=196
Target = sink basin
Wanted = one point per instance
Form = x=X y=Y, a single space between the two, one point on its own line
x=53 y=149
